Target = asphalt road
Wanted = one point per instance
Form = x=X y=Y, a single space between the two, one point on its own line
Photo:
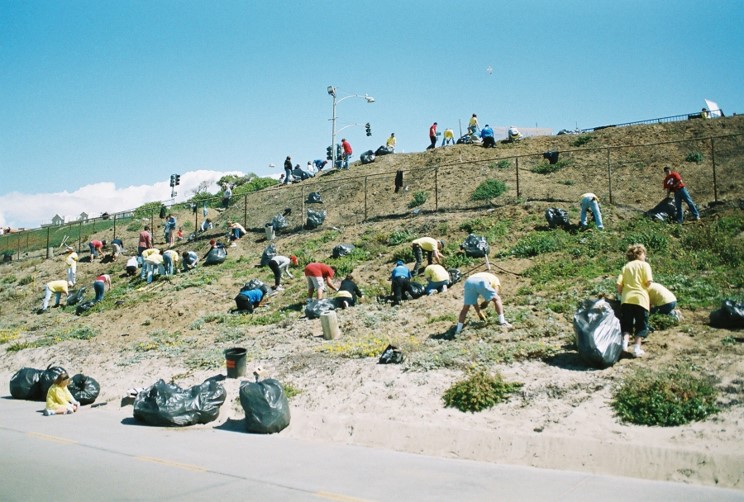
x=104 y=454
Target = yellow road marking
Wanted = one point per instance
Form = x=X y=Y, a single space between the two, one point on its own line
x=162 y=461
x=337 y=496
x=54 y=439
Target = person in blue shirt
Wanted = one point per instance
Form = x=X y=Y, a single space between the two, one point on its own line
x=320 y=164
x=401 y=281
x=170 y=229
x=250 y=299
x=487 y=137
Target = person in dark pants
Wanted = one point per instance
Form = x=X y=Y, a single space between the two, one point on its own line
x=288 y=170
x=432 y=136
x=433 y=250
x=250 y=299
x=401 y=281
x=280 y=264
x=348 y=293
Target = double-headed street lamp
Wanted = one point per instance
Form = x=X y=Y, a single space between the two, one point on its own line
x=332 y=92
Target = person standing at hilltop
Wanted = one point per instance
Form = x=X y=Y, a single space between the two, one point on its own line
x=632 y=284
x=486 y=135
x=448 y=136
x=71 y=262
x=145 y=240
x=473 y=125
x=673 y=184
x=391 y=142
x=288 y=170
x=432 y=136
x=346 y=148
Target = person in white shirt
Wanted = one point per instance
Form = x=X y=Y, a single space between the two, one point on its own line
x=280 y=265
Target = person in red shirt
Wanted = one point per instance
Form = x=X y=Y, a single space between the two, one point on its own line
x=96 y=247
x=673 y=184
x=318 y=275
x=145 y=240
x=347 y=153
x=432 y=136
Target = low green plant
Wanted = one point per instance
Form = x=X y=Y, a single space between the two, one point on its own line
x=662 y=322
x=489 y=189
x=547 y=168
x=582 y=140
x=479 y=392
x=695 y=156
x=667 y=397
x=399 y=237
x=537 y=243
x=502 y=164
x=419 y=198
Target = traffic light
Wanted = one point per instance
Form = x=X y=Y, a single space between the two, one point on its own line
x=329 y=153
x=178 y=179
x=173 y=180
x=368 y=128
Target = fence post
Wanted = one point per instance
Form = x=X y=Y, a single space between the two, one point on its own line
x=516 y=170
x=365 y=199
x=302 y=206
x=436 y=188
x=18 y=241
x=80 y=235
x=245 y=210
x=114 y=225
x=609 y=176
x=713 y=160
x=47 y=245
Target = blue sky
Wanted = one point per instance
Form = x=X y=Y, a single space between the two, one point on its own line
x=111 y=97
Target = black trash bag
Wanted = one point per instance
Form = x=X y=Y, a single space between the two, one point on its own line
x=663 y=211
x=475 y=246
x=314 y=198
x=598 y=334
x=48 y=376
x=729 y=316
x=455 y=276
x=465 y=140
x=255 y=284
x=216 y=256
x=417 y=290
x=315 y=218
x=383 y=150
x=26 y=384
x=266 y=406
x=268 y=254
x=163 y=212
x=168 y=404
x=301 y=175
x=84 y=388
x=551 y=156
x=279 y=222
x=76 y=297
x=556 y=217
x=391 y=355
x=367 y=157
x=84 y=307
x=342 y=250
x=317 y=307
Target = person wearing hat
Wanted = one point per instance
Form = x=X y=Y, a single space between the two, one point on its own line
x=486 y=285
x=433 y=250
x=401 y=281
x=432 y=136
x=280 y=265
x=590 y=202
x=513 y=134
x=71 y=262
x=673 y=184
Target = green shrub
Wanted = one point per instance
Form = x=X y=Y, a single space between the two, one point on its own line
x=582 y=140
x=489 y=189
x=502 y=164
x=478 y=392
x=666 y=397
x=661 y=322
x=695 y=157
x=399 y=237
x=537 y=243
x=547 y=168
x=418 y=199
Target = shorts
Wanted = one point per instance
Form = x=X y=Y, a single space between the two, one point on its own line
x=315 y=283
x=475 y=287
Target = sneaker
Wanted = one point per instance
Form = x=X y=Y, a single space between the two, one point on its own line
x=638 y=351
x=233 y=245
x=625 y=345
x=444 y=288
x=48 y=413
x=279 y=288
x=431 y=292
x=506 y=324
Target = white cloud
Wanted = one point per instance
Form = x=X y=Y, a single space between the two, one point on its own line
x=19 y=210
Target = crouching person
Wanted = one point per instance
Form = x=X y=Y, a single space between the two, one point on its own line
x=190 y=259
x=348 y=293
x=59 y=400
x=250 y=299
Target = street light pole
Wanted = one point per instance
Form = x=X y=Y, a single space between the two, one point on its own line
x=332 y=91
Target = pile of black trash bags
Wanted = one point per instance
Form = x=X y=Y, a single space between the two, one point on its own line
x=33 y=384
x=264 y=402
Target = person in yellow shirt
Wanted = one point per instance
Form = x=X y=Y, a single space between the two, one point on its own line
x=486 y=285
x=59 y=400
x=71 y=262
x=662 y=300
x=170 y=261
x=56 y=287
x=391 y=142
x=438 y=278
x=473 y=124
x=632 y=284
x=152 y=260
x=433 y=250
x=448 y=136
